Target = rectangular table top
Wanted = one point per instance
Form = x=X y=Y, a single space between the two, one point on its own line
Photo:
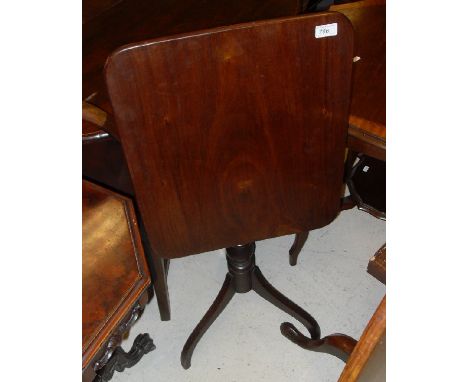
x=129 y=22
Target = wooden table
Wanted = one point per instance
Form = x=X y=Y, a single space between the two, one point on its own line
x=115 y=282
x=131 y=21
x=109 y=24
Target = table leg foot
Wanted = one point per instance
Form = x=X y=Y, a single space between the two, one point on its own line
x=222 y=299
x=299 y=241
x=121 y=360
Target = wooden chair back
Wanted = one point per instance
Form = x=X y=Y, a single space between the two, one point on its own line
x=235 y=134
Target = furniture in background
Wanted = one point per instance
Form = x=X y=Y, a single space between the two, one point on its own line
x=366 y=181
x=378 y=264
x=103 y=162
x=233 y=135
x=115 y=283
x=367 y=131
x=102 y=157
x=365 y=360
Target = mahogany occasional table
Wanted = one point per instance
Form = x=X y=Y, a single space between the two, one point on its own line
x=110 y=24
x=115 y=283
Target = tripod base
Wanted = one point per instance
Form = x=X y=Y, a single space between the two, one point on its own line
x=244 y=276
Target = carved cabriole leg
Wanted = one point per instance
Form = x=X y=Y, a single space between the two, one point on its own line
x=114 y=357
x=242 y=277
x=121 y=360
x=299 y=241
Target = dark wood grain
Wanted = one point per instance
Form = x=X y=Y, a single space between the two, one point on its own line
x=235 y=134
x=135 y=20
x=114 y=274
x=108 y=24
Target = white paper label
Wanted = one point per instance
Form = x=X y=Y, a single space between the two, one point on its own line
x=326 y=30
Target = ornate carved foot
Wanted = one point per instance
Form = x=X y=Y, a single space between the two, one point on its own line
x=269 y=293
x=339 y=345
x=221 y=301
x=296 y=248
x=121 y=360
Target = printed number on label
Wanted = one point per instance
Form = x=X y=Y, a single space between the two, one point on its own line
x=326 y=30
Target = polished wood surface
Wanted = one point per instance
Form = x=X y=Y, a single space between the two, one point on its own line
x=371 y=339
x=114 y=273
x=109 y=27
x=227 y=128
x=108 y=24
